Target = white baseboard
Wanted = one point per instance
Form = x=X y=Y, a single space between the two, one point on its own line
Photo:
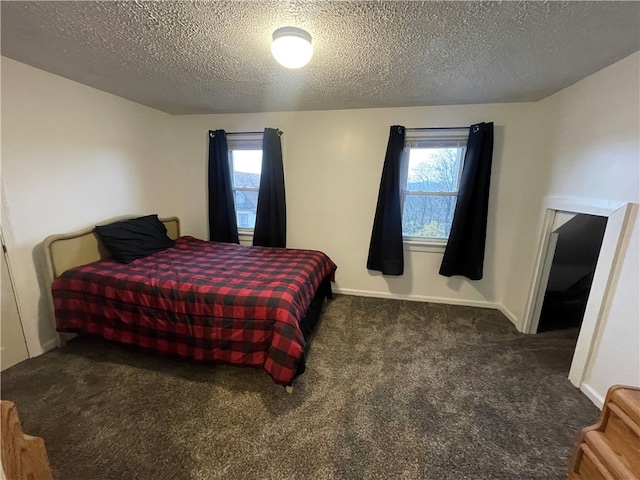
x=592 y=395
x=511 y=316
x=417 y=298
x=50 y=344
x=423 y=298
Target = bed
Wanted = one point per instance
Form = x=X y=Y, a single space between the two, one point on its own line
x=205 y=301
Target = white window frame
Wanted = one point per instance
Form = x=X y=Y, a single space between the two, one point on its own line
x=436 y=138
x=245 y=141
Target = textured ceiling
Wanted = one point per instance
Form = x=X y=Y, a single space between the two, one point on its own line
x=214 y=57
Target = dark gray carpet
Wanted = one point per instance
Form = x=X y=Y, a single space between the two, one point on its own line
x=393 y=390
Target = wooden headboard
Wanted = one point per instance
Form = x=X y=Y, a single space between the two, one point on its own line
x=68 y=250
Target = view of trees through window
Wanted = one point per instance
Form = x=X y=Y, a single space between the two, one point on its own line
x=246 y=166
x=431 y=191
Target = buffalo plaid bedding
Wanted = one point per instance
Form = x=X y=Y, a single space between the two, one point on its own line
x=206 y=301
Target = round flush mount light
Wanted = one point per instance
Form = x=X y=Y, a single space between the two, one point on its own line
x=291 y=47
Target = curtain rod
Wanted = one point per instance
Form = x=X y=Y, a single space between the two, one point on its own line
x=438 y=128
x=280 y=132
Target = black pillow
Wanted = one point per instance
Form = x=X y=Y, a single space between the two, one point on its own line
x=128 y=240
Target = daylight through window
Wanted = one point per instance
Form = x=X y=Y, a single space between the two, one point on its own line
x=432 y=166
x=245 y=157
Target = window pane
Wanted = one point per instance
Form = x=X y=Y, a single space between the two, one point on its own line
x=428 y=216
x=246 y=203
x=434 y=169
x=247 y=165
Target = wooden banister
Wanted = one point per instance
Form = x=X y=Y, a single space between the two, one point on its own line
x=23 y=457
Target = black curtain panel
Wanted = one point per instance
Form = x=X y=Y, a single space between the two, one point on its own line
x=464 y=254
x=222 y=212
x=271 y=213
x=385 y=250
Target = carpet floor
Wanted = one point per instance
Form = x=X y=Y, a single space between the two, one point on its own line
x=393 y=390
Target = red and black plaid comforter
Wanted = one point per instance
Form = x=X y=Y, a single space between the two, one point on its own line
x=207 y=301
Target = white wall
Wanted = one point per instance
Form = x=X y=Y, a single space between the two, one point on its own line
x=333 y=163
x=596 y=153
x=590 y=148
x=71 y=156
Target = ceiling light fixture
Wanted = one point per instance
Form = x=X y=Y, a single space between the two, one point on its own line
x=291 y=47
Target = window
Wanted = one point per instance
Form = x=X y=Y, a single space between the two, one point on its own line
x=432 y=166
x=245 y=157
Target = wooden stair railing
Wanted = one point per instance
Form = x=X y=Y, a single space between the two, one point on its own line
x=610 y=449
x=23 y=457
